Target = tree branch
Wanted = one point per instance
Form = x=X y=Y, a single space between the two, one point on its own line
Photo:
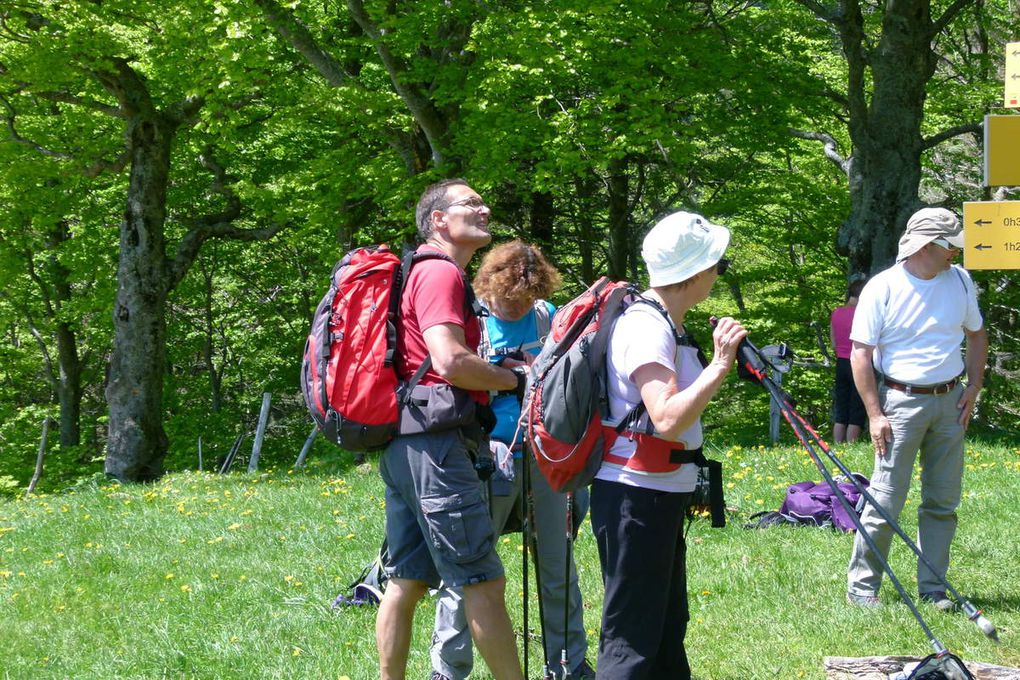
x=68 y=98
x=124 y=83
x=215 y=225
x=103 y=165
x=297 y=34
x=937 y=139
x=828 y=144
x=47 y=360
x=940 y=24
x=17 y=138
x=420 y=106
x=44 y=288
x=828 y=13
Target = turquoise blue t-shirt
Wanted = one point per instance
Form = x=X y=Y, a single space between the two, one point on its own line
x=511 y=335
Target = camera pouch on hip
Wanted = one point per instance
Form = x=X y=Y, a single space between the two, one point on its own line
x=435 y=408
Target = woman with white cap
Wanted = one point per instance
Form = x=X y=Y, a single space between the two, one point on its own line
x=659 y=383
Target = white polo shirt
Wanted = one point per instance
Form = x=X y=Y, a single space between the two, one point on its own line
x=917 y=325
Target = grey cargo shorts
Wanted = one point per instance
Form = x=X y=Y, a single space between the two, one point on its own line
x=437 y=516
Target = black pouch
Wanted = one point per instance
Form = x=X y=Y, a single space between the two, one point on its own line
x=708 y=493
x=435 y=408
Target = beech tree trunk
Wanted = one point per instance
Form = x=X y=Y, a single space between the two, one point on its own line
x=885 y=128
x=137 y=441
x=619 y=220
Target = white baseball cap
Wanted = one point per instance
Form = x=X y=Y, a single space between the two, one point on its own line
x=681 y=245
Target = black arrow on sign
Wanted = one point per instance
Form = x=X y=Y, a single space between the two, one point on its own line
x=980 y=222
x=981 y=246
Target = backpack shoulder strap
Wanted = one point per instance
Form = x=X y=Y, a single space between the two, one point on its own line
x=543 y=319
x=684 y=339
x=471 y=304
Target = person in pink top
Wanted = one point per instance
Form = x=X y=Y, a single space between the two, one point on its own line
x=847 y=407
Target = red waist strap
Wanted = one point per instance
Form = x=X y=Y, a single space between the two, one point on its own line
x=656 y=455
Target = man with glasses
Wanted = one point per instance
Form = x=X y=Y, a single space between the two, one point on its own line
x=907 y=334
x=437 y=519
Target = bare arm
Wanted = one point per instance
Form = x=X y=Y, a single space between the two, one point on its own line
x=672 y=411
x=864 y=378
x=461 y=367
x=977 y=356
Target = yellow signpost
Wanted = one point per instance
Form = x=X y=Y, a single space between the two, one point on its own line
x=1012 y=99
x=991 y=233
x=1002 y=151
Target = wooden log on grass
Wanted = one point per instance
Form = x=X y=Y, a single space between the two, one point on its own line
x=39 y=458
x=884 y=667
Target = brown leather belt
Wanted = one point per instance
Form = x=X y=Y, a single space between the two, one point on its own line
x=944 y=388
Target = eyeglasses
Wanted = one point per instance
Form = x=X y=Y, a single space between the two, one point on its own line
x=943 y=243
x=721 y=266
x=473 y=203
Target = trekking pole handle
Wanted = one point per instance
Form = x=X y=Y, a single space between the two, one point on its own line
x=748 y=355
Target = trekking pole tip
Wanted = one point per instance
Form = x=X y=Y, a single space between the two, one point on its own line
x=986 y=627
x=983 y=624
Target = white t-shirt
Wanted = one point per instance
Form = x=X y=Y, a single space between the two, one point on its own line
x=917 y=325
x=643 y=336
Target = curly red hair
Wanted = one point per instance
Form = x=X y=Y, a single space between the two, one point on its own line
x=515 y=272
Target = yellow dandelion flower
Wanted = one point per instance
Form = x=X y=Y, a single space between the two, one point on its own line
x=288 y=578
x=297 y=651
x=169 y=577
x=185 y=588
x=233 y=526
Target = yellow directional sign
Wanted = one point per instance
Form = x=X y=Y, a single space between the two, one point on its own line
x=991 y=232
x=1012 y=75
x=1002 y=151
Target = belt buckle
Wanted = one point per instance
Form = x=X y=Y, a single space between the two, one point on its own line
x=908 y=389
x=943 y=388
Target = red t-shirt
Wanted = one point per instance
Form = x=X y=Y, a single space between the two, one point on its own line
x=433 y=295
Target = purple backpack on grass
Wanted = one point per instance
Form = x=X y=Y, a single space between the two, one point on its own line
x=814 y=503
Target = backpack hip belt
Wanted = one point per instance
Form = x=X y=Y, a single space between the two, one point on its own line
x=656 y=455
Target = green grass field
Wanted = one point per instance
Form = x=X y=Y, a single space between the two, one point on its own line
x=207 y=576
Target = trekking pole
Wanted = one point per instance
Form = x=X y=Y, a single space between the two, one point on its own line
x=525 y=530
x=532 y=544
x=936 y=644
x=752 y=361
x=970 y=611
x=564 y=657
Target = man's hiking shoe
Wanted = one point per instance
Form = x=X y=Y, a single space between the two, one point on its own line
x=938 y=599
x=867 y=601
x=436 y=675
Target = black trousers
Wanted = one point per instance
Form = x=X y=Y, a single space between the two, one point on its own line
x=640 y=538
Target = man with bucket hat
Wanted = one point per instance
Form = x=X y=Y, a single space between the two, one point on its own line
x=658 y=388
x=907 y=362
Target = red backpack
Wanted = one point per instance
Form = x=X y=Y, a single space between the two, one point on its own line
x=348 y=376
x=567 y=390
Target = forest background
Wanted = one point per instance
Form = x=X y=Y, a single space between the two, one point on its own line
x=177 y=179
